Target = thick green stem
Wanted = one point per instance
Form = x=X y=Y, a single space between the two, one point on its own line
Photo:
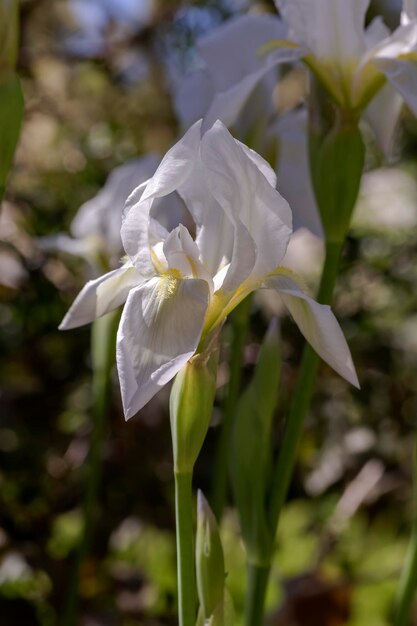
x=103 y=356
x=185 y=549
x=283 y=469
x=240 y=324
x=408 y=581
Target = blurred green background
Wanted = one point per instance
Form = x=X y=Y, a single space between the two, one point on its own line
x=94 y=99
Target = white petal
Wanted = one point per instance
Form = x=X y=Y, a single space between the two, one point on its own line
x=102 y=215
x=158 y=333
x=182 y=253
x=246 y=195
x=318 y=325
x=215 y=232
x=293 y=171
x=228 y=104
x=62 y=243
x=391 y=57
x=175 y=168
x=382 y=115
x=100 y=296
x=332 y=29
x=409 y=11
x=231 y=52
x=192 y=96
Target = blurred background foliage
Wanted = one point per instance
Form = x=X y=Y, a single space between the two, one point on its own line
x=97 y=79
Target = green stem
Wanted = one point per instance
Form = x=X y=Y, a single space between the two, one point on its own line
x=255 y=599
x=185 y=549
x=408 y=581
x=103 y=356
x=240 y=324
x=283 y=469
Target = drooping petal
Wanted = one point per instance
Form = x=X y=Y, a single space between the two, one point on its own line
x=236 y=63
x=158 y=333
x=175 y=168
x=246 y=195
x=228 y=104
x=331 y=30
x=100 y=296
x=396 y=58
x=318 y=325
x=382 y=115
x=293 y=171
x=232 y=51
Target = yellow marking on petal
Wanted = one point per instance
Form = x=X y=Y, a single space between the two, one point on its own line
x=276 y=44
x=285 y=271
x=168 y=284
x=157 y=263
x=408 y=56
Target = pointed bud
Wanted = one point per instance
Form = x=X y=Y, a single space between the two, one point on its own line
x=191 y=406
x=337 y=156
x=209 y=560
x=251 y=452
x=224 y=615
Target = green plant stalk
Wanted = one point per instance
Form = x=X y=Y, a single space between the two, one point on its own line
x=103 y=340
x=408 y=581
x=187 y=598
x=282 y=472
x=240 y=325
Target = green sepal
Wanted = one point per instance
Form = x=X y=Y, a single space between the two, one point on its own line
x=337 y=158
x=251 y=452
x=11 y=114
x=191 y=406
x=209 y=559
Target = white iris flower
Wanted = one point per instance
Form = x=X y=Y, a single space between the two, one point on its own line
x=353 y=63
x=177 y=288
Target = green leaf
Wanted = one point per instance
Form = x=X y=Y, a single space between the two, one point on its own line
x=251 y=449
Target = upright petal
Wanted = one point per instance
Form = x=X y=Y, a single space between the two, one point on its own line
x=318 y=325
x=100 y=296
x=158 y=333
x=215 y=232
x=331 y=29
x=243 y=191
x=176 y=166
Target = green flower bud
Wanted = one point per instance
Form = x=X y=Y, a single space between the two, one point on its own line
x=209 y=560
x=337 y=156
x=9 y=21
x=191 y=406
x=251 y=448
